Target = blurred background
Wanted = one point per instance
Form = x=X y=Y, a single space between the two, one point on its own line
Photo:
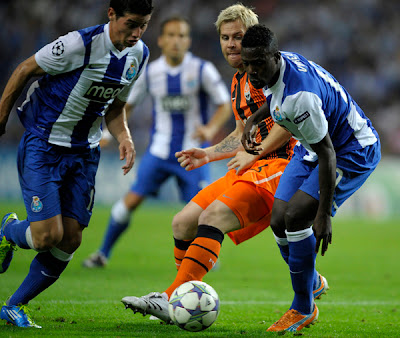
x=357 y=41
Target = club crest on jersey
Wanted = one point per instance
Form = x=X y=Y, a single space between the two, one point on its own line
x=131 y=72
x=247 y=91
x=191 y=83
x=277 y=114
x=36 y=204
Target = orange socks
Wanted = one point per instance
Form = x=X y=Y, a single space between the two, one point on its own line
x=178 y=254
x=180 y=249
x=200 y=257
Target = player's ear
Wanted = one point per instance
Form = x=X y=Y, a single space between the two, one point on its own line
x=111 y=14
x=277 y=56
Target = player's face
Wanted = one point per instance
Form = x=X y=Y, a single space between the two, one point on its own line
x=127 y=30
x=230 y=38
x=261 y=66
x=175 y=41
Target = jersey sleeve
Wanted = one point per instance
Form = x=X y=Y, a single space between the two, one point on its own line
x=62 y=55
x=213 y=85
x=304 y=109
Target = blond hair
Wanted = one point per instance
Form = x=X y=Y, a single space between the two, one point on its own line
x=237 y=12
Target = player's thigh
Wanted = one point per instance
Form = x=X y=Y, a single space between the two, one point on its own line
x=296 y=172
x=210 y=193
x=40 y=176
x=151 y=174
x=191 y=182
x=240 y=205
x=78 y=188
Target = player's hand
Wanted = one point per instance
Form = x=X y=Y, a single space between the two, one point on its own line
x=323 y=232
x=249 y=137
x=192 y=158
x=241 y=162
x=127 y=152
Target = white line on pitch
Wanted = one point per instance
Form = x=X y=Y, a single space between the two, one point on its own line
x=249 y=302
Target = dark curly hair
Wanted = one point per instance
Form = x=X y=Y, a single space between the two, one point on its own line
x=260 y=36
x=141 y=7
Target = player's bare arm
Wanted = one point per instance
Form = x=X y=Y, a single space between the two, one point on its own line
x=327 y=177
x=194 y=158
x=250 y=129
x=17 y=82
x=221 y=116
x=276 y=138
x=118 y=127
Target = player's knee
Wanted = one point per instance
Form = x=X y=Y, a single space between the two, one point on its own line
x=295 y=219
x=181 y=228
x=73 y=243
x=47 y=239
x=278 y=225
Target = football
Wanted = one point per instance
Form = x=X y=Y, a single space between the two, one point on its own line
x=194 y=306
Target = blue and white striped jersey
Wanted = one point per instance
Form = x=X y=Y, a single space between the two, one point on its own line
x=85 y=73
x=309 y=102
x=181 y=98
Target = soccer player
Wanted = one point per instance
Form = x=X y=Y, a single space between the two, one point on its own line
x=339 y=150
x=181 y=86
x=239 y=203
x=85 y=75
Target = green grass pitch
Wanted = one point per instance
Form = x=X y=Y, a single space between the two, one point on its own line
x=362 y=267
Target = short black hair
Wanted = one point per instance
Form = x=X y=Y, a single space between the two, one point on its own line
x=260 y=36
x=173 y=18
x=141 y=7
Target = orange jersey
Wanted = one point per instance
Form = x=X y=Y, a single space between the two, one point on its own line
x=245 y=102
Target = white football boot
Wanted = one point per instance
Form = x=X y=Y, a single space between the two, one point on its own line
x=154 y=303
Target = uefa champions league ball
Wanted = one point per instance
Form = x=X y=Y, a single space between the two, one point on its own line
x=194 y=306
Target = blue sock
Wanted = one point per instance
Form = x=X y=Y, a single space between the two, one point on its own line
x=114 y=231
x=44 y=271
x=316 y=280
x=283 y=247
x=302 y=268
x=15 y=232
x=284 y=252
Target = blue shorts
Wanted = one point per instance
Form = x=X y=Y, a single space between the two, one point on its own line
x=55 y=181
x=154 y=171
x=352 y=170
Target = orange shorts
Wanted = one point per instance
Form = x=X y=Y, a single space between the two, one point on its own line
x=250 y=196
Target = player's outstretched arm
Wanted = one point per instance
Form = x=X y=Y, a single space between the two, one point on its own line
x=192 y=158
x=18 y=80
x=118 y=127
x=228 y=147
